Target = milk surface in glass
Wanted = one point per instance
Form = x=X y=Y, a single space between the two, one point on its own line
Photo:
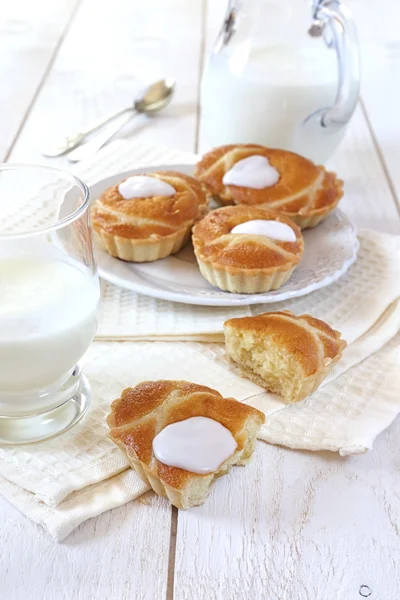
x=48 y=306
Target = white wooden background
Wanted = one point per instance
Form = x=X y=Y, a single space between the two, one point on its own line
x=295 y=525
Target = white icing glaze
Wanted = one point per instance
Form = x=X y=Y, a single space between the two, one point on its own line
x=275 y=230
x=142 y=186
x=252 y=172
x=198 y=444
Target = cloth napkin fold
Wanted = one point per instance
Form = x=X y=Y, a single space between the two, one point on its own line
x=62 y=482
x=128 y=316
x=375 y=275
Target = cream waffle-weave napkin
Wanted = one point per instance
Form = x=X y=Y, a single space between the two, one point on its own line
x=128 y=316
x=62 y=482
x=352 y=304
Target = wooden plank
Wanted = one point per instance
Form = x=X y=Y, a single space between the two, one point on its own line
x=111 y=50
x=372 y=144
x=298 y=525
x=293 y=525
x=108 y=53
x=378 y=27
x=122 y=554
x=368 y=199
x=29 y=37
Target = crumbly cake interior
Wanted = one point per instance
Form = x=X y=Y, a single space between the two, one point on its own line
x=265 y=362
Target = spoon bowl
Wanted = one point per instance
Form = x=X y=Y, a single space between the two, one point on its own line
x=155 y=97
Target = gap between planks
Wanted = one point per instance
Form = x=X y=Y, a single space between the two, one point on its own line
x=42 y=81
x=172 y=554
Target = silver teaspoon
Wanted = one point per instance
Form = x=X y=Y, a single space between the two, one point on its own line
x=152 y=99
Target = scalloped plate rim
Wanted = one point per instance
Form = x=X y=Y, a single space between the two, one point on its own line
x=136 y=284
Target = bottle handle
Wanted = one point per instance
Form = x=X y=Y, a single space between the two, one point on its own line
x=334 y=20
x=228 y=27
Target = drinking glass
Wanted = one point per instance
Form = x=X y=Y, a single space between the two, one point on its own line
x=49 y=295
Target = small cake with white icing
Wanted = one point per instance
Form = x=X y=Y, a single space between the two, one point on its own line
x=181 y=436
x=147 y=217
x=277 y=179
x=247 y=249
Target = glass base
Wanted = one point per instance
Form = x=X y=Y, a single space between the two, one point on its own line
x=47 y=424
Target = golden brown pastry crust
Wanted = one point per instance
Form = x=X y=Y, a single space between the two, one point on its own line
x=146 y=227
x=245 y=255
x=305 y=192
x=314 y=345
x=141 y=412
x=311 y=340
x=214 y=243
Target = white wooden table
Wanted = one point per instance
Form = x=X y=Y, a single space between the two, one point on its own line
x=295 y=525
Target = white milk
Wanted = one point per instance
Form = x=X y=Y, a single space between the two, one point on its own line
x=263 y=94
x=47 y=322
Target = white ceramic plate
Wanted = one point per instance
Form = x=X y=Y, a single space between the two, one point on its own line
x=329 y=251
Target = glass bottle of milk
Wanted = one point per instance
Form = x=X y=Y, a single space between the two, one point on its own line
x=49 y=295
x=283 y=73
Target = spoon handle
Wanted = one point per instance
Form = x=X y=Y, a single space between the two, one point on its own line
x=90 y=148
x=72 y=141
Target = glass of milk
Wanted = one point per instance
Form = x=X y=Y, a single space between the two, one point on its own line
x=283 y=73
x=49 y=295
